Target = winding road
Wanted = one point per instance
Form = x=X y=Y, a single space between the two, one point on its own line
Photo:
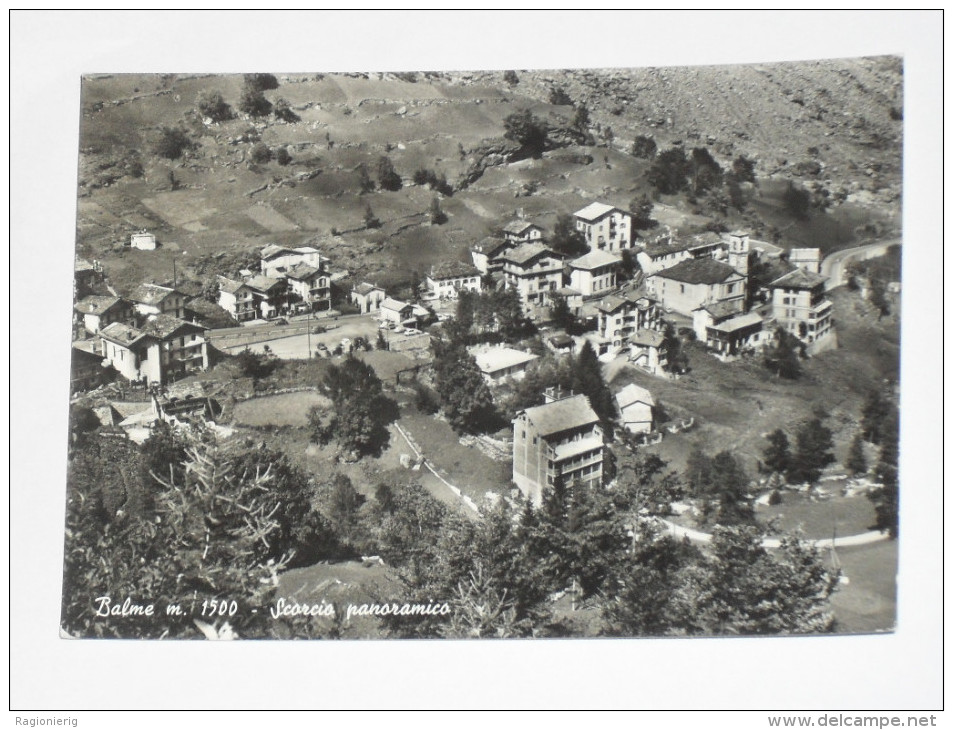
x=834 y=267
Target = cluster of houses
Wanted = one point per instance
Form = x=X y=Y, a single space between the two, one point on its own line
x=290 y=280
x=144 y=337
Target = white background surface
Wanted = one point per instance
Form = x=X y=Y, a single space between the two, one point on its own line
x=49 y=51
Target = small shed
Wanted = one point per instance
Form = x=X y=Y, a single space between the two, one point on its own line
x=143 y=240
x=635 y=408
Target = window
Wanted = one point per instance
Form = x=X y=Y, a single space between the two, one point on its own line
x=681 y=288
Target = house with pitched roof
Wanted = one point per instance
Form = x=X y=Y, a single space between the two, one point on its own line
x=498 y=363
x=367 y=297
x=277 y=260
x=87 y=370
x=647 y=351
x=667 y=250
x=604 y=227
x=799 y=303
x=395 y=313
x=156 y=299
x=559 y=441
x=163 y=349
x=486 y=253
x=269 y=295
x=309 y=287
x=636 y=406
x=95 y=312
x=620 y=316
x=521 y=230
x=85 y=276
x=448 y=278
x=594 y=273
x=236 y=299
x=727 y=329
x=534 y=271
x=694 y=282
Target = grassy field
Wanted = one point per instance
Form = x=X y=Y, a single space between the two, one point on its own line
x=840 y=516
x=465 y=467
x=286 y=409
x=868 y=603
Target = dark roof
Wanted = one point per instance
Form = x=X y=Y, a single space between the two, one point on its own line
x=271 y=251
x=490 y=246
x=723 y=310
x=164 y=326
x=518 y=226
x=302 y=272
x=453 y=270
x=799 y=279
x=647 y=338
x=562 y=340
x=262 y=283
x=661 y=248
x=698 y=271
x=562 y=415
x=526 y=252
x=95 y=304
x=364 y=288
x=123 y=334
x=151 y=293
x=229 y=285
x=610 y=303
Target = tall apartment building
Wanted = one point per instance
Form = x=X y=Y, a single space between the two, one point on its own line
x=559 y=440
x=605 y=227
x=800 y=305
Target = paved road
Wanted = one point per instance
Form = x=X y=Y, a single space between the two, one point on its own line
x=292 y=338
x=834 y=267
x=865 y=538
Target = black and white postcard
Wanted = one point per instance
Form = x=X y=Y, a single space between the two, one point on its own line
x=386 y=352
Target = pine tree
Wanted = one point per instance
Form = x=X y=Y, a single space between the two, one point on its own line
x=588 y=380
x=856 y=460
x=777 y=456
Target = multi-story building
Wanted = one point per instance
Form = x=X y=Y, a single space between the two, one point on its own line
x=269 y=295
x=487 y=252
x=594 y=273
x=522 y=231
x=559 y=441
x=534 y=271
x=695 y=282
x=85 y=276
x=604 y=227
x=152 y=299
x=367 y=297
x=236 y=299
x=93 y=313
x=800 y=306
x=309 y=287
x=667 y=251
x=619 y=317
x=277 y=260
x=727 y=330
x=446 y=279
x=163 y=349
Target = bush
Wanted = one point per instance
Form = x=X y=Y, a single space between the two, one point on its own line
x=644 y=147
x=173 y=143
x=426 y=399
x=282 y=156
x=261 y=82
x=260 y=153
x=211 y=104
x=511 y=78
x=559 y=97
x=253 y=103
x=387 y=176
x=284 y=112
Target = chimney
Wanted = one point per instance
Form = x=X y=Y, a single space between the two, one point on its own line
x=555 y=393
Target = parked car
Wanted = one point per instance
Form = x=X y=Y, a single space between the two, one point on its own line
x=280 y=321
x=319 y=330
